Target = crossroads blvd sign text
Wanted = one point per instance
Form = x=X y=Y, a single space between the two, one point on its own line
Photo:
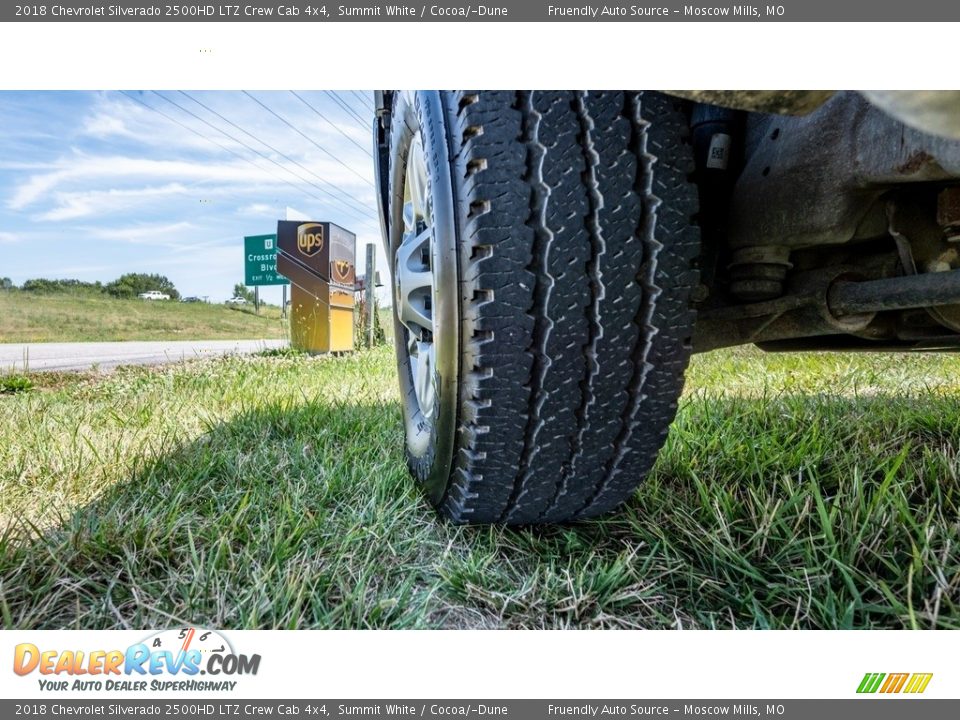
x=260 y=261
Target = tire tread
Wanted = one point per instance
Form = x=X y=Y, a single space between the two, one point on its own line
x=578 y=247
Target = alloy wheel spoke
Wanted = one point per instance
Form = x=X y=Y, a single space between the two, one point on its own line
x=415 y=283
x=423 y=379
x=413 y=278
x=417 y=180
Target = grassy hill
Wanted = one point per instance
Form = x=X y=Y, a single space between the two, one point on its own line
x=66 y=317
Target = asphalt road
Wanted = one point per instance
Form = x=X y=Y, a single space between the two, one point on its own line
x=107 y=355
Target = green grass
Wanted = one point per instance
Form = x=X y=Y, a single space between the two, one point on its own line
x=66 y=317
x=795 y=491
x=13 y=383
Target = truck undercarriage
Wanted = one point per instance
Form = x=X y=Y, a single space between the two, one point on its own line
x=559 y=255
x=833 y=229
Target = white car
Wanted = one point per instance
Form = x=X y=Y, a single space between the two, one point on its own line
x=153 y=295
x=237 y=301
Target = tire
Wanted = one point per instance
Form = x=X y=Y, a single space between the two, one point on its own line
x=563 y=249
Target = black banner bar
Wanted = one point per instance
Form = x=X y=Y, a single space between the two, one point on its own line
x=871 y=707
x=496 y=11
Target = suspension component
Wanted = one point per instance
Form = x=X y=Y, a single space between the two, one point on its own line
x=948 y=213
x=758 y=272
x=899 y=293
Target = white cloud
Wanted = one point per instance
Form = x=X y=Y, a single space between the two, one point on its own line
x=7 y=238
x=81 y=204
x=102 y=125
x=147 y=233
x=148 y=150
x=118 y=117
x=87 y=169
x=257 y=209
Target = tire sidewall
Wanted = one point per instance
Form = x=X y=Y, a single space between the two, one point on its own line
x=429 y=445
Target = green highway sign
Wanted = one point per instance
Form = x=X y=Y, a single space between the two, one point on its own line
x=260 y=261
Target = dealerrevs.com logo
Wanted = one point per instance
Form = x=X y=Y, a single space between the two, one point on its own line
x=168 y=660
x=893 y=683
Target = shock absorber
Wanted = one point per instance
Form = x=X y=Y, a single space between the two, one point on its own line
x=716 y=134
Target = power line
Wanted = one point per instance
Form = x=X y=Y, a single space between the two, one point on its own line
x=222 y=147
x=349 y=110
x=364 y=115
x=360 y=206
x=364 y=100
x=298 y=188
x=332 y=124
x=307 y=138
x=351 y=200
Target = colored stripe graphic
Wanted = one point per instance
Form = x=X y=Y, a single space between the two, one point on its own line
x=870 y=682
x=894 y=683
x=918 y=682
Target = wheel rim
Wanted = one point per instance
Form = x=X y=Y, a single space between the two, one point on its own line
x=422 y=244
x=414 y=283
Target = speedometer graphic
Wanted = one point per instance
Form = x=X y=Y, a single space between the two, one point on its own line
x=181 y=640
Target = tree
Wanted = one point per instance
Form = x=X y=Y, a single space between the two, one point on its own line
x=130 y=285
x=69 y=285
x=6 y=284
x=361 y=318
x=241 y=290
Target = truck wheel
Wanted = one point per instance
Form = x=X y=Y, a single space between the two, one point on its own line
x=543 y=246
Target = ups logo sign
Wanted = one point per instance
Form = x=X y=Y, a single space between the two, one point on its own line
x=342 y=270
x=310 y=238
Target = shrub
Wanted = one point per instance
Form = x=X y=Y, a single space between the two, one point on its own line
x=10 y=384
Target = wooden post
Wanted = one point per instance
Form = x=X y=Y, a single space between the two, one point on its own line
x=369 y=290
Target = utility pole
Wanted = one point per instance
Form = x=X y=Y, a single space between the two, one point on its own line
x=369 y=290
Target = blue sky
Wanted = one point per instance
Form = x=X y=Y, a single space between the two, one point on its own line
x=95 y=184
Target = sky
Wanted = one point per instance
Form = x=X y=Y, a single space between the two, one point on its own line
x=97 y=184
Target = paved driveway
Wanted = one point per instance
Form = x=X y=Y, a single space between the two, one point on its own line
x=106 y=355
